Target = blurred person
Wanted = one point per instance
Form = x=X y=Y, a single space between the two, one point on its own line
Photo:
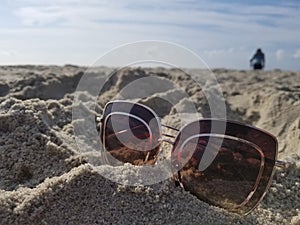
x=258 y=60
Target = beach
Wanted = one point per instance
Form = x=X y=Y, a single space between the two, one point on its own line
x=50 y=176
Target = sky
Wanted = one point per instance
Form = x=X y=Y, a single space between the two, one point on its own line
x=224 y=33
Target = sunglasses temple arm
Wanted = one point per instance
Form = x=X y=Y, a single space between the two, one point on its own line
x=178 y=181
x=281 y=164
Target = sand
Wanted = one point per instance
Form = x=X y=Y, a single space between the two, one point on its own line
x=47 y=179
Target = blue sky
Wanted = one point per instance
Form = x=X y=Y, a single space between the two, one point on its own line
x=223 y=33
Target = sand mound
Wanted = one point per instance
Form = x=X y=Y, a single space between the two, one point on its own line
x=45 y=178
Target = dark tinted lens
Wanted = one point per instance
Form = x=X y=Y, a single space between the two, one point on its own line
x=231 y=176
x=130 y=137
x=263 y=140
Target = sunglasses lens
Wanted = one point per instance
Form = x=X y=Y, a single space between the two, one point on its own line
x=231 y=167
x=129 y=138
x=220 y=170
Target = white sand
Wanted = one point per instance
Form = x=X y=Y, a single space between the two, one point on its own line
x=43 y=180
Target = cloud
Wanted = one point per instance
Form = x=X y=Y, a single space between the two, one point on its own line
x=296 y=55
x=279 y=54
x=39 y=16
x=6 y=53
x=219 y=52
x=224 y=16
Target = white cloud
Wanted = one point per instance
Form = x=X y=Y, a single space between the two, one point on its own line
x=219 y=52
x=279 y=54
x=221 y=15
x=296 y=55
x=39 y=16
x=7 y=53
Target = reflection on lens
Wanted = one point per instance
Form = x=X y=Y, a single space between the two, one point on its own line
x=231 y=177
x=129 y=140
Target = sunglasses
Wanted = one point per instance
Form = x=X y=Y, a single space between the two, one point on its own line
x=224 y=163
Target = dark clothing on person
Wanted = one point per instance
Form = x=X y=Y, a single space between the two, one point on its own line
x=258 y=60
x=257 y=66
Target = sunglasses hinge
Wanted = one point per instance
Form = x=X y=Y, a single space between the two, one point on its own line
x=281 y=164
x=99 y=119
x=178 y=181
